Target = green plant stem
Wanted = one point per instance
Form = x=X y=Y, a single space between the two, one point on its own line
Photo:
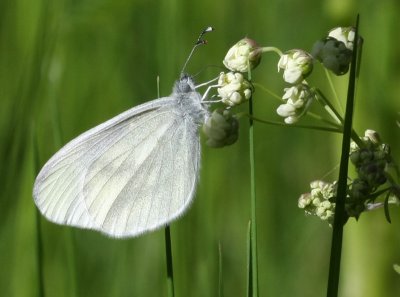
x=272 y=49
x=329 y=107
x=253 y=207
x=168 y=254
x=329 y=129
x=274 y=95
x=332 y=111
x=340 y=215
x=254 y=261
x=335 y=95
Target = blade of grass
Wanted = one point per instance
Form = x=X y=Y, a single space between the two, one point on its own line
x=249 y=275
x=220 y=279
x=168 y=254
x=167 y=236
x=340 y=216
x=39 y=242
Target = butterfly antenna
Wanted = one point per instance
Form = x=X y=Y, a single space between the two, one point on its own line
x=200 y=41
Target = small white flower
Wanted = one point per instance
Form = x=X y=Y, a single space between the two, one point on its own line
x=296 y=65
x=244 y=53
x=234 y=88
x=345 y=35
x=298 y=99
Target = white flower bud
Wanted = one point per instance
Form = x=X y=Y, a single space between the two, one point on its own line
x=373 y=136
x=296 y=65
x=304 y=200
x=244 y=53
x=345 y=35
x=298 y=99
x=234 y=88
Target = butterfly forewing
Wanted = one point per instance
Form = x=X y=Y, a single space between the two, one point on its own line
x=132 y=174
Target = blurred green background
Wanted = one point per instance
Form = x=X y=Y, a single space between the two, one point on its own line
x=69 y=65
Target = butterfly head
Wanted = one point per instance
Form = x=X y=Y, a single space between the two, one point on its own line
x=184 y=85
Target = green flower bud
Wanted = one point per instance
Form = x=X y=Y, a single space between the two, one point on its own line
x=333 y=55
x=354 y=209
x=221 y=128
x=244 y=53
x=359 y=190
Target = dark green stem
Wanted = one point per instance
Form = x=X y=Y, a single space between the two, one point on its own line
x=340 y=215
x=168 y=254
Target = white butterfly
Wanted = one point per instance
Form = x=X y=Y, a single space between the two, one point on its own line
x=132 y=174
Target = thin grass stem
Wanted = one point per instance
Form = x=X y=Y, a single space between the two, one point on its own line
x=340 y=215
x=335 y=95
x=39 y=241
x=220 y=278
x=168 y=254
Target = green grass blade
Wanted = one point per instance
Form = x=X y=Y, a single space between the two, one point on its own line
x=39 y=242
x=220 y=278
x=340 y=216
x=249 y=274
x=168 y=254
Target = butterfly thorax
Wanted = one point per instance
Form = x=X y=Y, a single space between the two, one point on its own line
x=189 y=100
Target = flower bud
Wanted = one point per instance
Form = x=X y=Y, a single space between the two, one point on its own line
x=296 y=65
x=234 y=88
x=359 y=189
x=244 y=53
x=372 y=135
x=221 y=128
x=345 y=35
x=298 y=99
x=304 y=200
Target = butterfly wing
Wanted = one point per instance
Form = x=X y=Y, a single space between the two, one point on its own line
x=131 y=174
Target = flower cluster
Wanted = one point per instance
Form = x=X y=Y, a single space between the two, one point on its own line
x=320 y=201
x=370 y=156
x=296 y=66
x=221 y=127
x=243 y=54
x=234 y=88
x=297 y=99
x=371 y=162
